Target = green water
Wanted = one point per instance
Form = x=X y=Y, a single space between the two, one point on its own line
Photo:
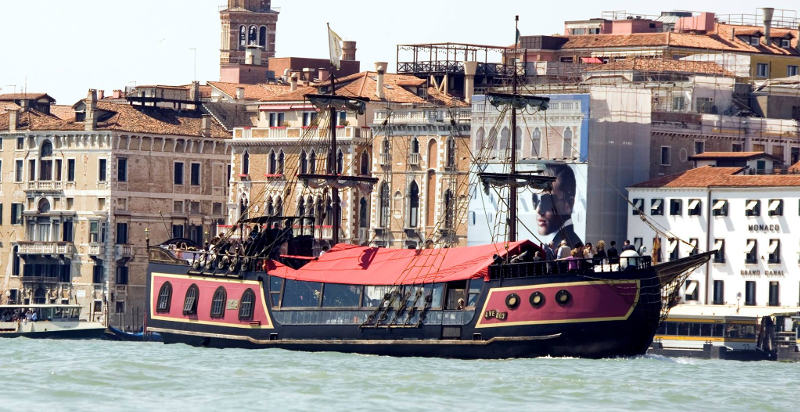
x=102 y=375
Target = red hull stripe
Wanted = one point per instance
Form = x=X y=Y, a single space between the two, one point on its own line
x=594 y=301
x=234 y=289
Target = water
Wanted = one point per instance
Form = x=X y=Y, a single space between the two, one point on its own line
x=105 y=375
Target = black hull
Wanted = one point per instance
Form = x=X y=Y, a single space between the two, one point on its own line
x=59 y=334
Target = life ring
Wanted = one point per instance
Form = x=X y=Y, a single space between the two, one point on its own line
x=563 y=297
x=536 y=299
x=512 y=301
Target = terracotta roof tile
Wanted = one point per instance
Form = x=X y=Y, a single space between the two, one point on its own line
x=5 y=106
x=662 y=65
x=707 y=176
x=730 y=155
x=25 y=96
x=62 y=111
x=258 y=92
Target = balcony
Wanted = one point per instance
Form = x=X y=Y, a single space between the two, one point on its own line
x=95 y=249
x=413 y=159
x=295 y=133
x=66 y=249
x=123 y=252
x=45 y=186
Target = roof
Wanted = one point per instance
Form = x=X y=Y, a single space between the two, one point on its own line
x=25 y=96
x=363 y=265
x=260 y=91
x=708 y=176
x=62 y=111
x=663 y=65
x=731 y=155
x=722 y=38
x=8 y=105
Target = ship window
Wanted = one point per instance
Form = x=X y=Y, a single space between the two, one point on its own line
x=190 y=302
x=455 y=290
x=275 y=287
x=475 y=286
x=164 y=297
x=300 y=294
x=656 y=207
x=246 y=305
x=218 y=303
x=373 y=295
x=337 y=295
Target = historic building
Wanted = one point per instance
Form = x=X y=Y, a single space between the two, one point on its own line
x=247 y=40
x=82 y=195
x=739 y=205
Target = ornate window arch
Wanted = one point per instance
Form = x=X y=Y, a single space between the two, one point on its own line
x=247 y=304
x=385 y=205
x=190 y=301
x=218 y=303
x=413 y=204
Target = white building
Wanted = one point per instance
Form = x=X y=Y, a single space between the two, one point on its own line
x=736 y=205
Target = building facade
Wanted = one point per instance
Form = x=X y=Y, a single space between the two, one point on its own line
x=81 y=198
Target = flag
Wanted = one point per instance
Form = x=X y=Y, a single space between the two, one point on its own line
x=335 y=47
x=516 y=39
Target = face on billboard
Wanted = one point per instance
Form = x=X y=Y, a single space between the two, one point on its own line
x=554 y=207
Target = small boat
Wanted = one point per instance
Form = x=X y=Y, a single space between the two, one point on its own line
x=52 y=321
x=113 y=333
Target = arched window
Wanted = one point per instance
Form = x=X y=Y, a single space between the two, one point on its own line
x=340 y=162
x=218 y=303
x=242 y=37
x=413 y=205
x=281 y=161
x=273 y=163
x=449 y=209
x=414 y=145
x=568 y=143
x=385 y=146
x=190 y=302
x=433 y=154
x=45 y=162
x=301 y=206
x=303 y=162
x=536 y=143
x=262 y=37
x=328 y=211
x=44 y=206
x=451 y=152
x=312 y=163
x=363 y=213
x=504 y=140
x=246 y=305
x=319 y=210
x=518 y=141
x=252 y=35
x=164 y=298
x=39 y=296
x=385 y=205
x=278 y=206
x=270 y=208
x=479 y=143
x=246 y=163
x=309 y=206
x=15 y=269
x=365 y=166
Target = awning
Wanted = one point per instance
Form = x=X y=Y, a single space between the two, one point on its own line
x=751 y=204
x=693 y=242
x=774 y=205
x=773 y=245
x=718 y=244
x=637 y=203
x=656 y=204
x=750 y=245
x=591 y=60
x=673 y=243
x=691 y=286
x=363 y=265
x=693 y=203
x=719 y=204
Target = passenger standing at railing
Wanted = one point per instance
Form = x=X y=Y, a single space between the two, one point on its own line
x=600 y=256
x=574 y=259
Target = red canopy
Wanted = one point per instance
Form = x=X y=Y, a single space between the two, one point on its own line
x=362 y=265
x=591 y=60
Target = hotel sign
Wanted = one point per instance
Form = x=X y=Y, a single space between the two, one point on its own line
x=764 y=228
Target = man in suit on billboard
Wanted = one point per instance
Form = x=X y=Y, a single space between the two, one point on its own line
x=554 y=207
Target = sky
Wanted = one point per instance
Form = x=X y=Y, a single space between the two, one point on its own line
x=64 y=48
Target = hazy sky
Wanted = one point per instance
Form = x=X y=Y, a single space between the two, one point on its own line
x=65 y=47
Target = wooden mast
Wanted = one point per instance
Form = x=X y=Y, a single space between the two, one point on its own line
x=512 y=190
x=333 y=167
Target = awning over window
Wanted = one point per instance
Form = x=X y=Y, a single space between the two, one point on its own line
x=693 y=242
x=773 y=245
x=637 y=203
x=694 y=203
x=751 y=204
x=750 y=245
x=774 y=205
x=691 y=286
x=673 y=243
x=719 y=204
x=718 y=244
x=591 y=60
x=656 y=204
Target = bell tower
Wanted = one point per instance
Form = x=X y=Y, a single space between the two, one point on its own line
x=247 y=23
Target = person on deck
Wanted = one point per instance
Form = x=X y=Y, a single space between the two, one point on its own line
x=563 y=250
x=613 y=254
x=628 y=246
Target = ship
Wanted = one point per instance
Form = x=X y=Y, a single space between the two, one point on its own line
x=271 y=288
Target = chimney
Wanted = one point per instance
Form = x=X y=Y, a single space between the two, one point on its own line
x=13 y=120
x=101 y=94
x=240 y=93
x=768 y=11
x=323 y=74
x=89 y=122
x=348 y=50
x=293 y=81
x=252 y=55
x=470 y=68
x=205 y=125
x=117 y=94
x=307 y=75
x=380 y=68
x=194 y=91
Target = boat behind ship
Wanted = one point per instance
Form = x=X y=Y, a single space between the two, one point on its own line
x=489 y=301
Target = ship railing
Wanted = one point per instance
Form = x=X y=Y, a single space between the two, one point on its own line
x=566 y=266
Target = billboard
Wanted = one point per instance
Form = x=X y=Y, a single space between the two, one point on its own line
x=542 y=216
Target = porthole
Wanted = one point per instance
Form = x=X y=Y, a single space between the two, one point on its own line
x=512 y=301
x=563 y=297
x=537 y=299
